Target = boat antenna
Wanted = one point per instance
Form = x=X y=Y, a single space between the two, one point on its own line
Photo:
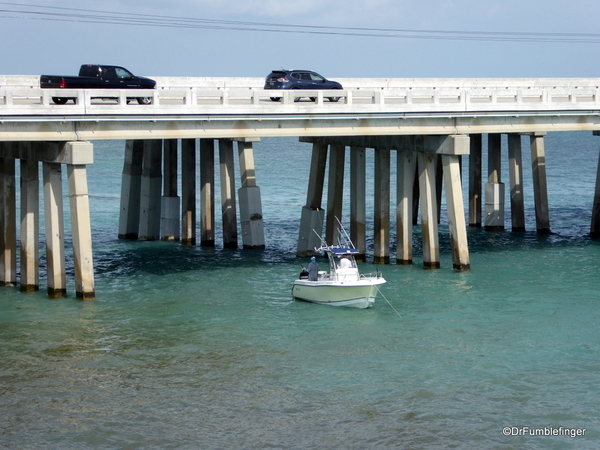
x=341 y=229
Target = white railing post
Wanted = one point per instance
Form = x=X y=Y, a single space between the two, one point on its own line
x=225 y=97
x=348 y=97
x=319 y=97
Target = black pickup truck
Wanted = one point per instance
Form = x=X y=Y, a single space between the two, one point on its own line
x=92 y=76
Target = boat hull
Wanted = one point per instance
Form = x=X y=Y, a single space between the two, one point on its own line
x=360 y=294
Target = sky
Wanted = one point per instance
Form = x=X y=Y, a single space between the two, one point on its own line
x=337 y=38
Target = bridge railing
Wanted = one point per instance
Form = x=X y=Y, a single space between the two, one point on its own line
x=202 y=101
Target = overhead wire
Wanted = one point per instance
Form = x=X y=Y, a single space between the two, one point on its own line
x=21 y=11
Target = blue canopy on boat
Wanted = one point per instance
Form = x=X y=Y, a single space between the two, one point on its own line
x=344 y=251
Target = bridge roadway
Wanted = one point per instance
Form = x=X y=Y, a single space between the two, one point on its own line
x=430 y=123
x=217 y=108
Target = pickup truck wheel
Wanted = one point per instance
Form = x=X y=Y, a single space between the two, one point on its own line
x=60 y=100
x=144 y=100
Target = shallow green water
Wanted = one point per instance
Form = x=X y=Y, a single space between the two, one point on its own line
x=187 y=347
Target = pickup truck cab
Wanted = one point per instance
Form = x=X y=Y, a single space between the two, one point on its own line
x=93 y=76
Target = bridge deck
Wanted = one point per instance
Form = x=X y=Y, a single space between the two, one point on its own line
x=369 y=107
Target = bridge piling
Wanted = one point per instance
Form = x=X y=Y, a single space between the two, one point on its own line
x=456 y=213
x=81 y=231
x=540 y=186
x=335 y=192
x=30 y=224
x=55 y=230
x=407 y=163
x=207 y=192
x=188 y=191
x=228 y=197
x=8 y=222
x=251 y=219
x=170 y=201
x=494 y=188
x=475 y=171
x=150 y=198
x=312 y=216
x=131 y=188
x=381 y=251
x=515 y=168
x=429 y=227
x=358 y=214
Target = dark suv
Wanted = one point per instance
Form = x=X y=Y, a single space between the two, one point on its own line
x=300 y=79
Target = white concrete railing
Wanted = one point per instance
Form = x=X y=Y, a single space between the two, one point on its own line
x=384 y=96
x=33 y=81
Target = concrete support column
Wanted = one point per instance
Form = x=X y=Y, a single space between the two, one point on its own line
x=55 y=230
x=540 y=186
x=188 y=191
x=358 y=193
x=456 y=212
x=439 y=183
x=228 y=201
x=494 y=188
x=381 y=251
x=30 y=225
x=129 y=217
x=476 y=145
x=335 y=193
x=207 y=192
x=170 y=209
x=251 y=219
x=8 y=223
x=431 y=250
x=311 y=221
x=81 y=231
x=515 y=170
x=151 y=191
x=407 y=163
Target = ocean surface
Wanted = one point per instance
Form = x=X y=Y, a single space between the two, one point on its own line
x=203 y=348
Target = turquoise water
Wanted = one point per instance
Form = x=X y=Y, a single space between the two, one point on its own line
x=195 y=348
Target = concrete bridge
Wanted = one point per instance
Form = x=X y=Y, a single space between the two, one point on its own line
x=430 y=123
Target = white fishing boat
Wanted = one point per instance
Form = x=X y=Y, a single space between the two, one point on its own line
x=342 y=285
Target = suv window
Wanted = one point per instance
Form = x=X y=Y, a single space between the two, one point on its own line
x=276 y=74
